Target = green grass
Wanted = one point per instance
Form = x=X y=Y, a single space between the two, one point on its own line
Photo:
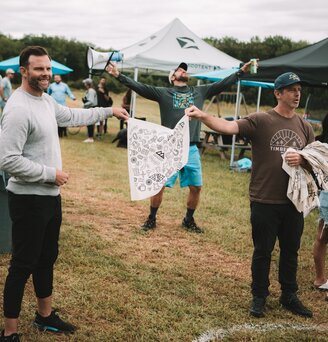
x=119 y=284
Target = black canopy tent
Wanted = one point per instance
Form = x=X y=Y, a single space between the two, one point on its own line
x=309 y=63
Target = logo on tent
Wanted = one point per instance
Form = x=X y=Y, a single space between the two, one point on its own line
x=187 y=43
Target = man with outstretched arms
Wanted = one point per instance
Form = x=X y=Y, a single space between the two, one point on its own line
x=172 y=103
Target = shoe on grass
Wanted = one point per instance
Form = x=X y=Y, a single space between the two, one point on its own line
x=11 y=338
x=53 y=323
x=149 y=224
x=257 y=308
x=292 y=303
x=191 y=226
x=322 y=287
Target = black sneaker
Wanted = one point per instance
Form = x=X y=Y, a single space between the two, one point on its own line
x=53 y=323
x=149 y=224
x=257 y=307
x=13 y=337
x=191 y=226
x=293 y=304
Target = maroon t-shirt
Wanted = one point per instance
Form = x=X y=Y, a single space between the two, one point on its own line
x=271 y=134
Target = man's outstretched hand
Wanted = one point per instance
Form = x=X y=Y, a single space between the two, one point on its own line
x=120 y=113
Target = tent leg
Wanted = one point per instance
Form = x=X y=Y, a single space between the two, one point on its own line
x=134 y=95
x=307 y=104
x=237 y=110
x=258 y=99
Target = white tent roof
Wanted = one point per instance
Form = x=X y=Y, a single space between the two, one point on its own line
x=173 y=44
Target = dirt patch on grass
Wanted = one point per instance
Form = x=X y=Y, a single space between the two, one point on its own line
x=168 y=246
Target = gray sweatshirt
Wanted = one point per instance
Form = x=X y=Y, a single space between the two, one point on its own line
x=29 y=142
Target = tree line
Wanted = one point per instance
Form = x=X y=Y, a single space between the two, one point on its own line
x=72 y=53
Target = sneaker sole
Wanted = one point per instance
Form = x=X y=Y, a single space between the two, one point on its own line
x=147 y=229
x=192 y=231
x=257 y=314
x=295 y=312
x=46 y=328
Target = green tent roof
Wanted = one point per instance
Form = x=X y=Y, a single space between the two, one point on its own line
x=309 y=63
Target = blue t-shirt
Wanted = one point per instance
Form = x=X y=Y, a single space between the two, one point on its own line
x=59 y=91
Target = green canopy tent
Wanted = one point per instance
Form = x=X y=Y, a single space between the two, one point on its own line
x=309 y=63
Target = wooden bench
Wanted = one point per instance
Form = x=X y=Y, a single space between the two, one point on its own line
x=223 y=143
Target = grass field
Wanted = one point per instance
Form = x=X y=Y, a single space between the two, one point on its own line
x=119 y=284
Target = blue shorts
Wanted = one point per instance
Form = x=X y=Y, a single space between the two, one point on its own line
x=323 y=210
x=191 y=173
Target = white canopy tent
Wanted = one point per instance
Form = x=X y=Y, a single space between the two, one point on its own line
x=173 y=44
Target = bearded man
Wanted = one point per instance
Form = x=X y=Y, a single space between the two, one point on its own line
x=172 y=103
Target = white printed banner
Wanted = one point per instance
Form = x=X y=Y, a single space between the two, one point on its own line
x=155 y=153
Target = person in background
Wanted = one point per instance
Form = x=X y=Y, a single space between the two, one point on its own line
x=104 y=100
x=30 y=153
x=7 y=89
x=89 y=101
x=126 y=104
x=59 y=90
x=320 y=243
x=273 y=215
x=172 y=102
x=1 y=94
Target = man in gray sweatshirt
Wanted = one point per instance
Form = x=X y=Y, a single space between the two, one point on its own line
x=30 y=153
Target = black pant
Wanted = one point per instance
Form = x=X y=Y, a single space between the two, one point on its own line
x=270 y=221
x=62 y=132
x=91 y=129
x=36 y=224
x=105 y=126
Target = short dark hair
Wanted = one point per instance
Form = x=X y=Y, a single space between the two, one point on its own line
x=31 y=51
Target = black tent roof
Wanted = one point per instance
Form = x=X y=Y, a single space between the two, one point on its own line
x=309 y=63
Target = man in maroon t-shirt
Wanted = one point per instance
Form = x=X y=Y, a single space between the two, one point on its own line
x=272 y=214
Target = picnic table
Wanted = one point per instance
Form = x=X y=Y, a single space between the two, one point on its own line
x=223 y=143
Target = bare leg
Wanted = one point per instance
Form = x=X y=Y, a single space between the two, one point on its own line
x=193 y=197
x=44 y=309
x=44 y=306
x=156 y=200
x=319 y=255
x=11 y=326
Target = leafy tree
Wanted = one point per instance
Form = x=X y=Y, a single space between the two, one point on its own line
x=73 y=54
x=270 y=47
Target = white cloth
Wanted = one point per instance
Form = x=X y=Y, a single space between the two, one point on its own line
x=302 y=189
x=155 y=153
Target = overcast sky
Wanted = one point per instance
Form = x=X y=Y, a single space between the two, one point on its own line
x=121 y=23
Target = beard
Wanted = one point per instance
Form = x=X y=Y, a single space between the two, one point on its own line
x=182 y=78
x=35 y=83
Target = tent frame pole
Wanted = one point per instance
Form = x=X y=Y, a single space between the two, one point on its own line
x=237 y=111
x=307 y=104
x=134 y=95
x=258 y=99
